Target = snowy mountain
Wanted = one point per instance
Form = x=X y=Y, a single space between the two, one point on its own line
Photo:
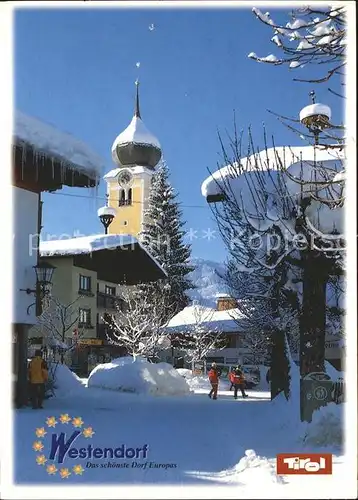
x=207 y=280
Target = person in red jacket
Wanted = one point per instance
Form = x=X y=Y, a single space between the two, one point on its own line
x=239 y=382
x=231 y=378
x=214 y=381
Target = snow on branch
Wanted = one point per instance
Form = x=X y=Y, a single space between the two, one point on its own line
x=310 y=37
x=57 y=325
x=202 y=337
x=139 y=325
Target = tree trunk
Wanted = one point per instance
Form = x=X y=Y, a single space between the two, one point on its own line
x=313 y=314
x=279 y=366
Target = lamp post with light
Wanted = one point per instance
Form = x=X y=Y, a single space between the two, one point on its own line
x=106 y=215
x=42 y=292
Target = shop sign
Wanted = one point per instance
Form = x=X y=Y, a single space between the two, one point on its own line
x=90 y=341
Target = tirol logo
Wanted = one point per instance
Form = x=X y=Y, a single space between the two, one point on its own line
x=304 y=463
x=64 y=445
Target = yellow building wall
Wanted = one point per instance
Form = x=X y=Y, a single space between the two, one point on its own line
x=86 y=301
x=129 y=217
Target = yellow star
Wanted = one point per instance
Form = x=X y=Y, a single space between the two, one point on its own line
x=41 y=459
x=88 y=432
x=78 y=469
x=51 y=469
x=40 y=432
x=37 y=446
x=64 y=473
x=65 y=418
x=51 y=422
x=77 y=422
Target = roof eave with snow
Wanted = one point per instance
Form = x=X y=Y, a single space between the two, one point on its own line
x=116 y=257
x=213 y=187
x=48 y=158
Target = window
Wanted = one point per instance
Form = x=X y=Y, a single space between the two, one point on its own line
x=125 y=197
x=110 y=290
x=125 y=223
x=85 y=283
x=84 y=316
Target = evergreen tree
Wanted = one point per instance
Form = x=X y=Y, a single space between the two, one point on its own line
x=163 y=236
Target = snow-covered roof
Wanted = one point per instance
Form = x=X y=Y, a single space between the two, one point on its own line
x=191 y=316
x=267 y=160
x=135 y=170
x=61 y=146
x=85 y=244
x=220 y=295
x=89 y=244
x=136 y=133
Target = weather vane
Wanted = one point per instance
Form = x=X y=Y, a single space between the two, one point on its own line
x=312 y=94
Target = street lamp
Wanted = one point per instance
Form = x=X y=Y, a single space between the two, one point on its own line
x=106 y=215
x=44 y=272
x=42 y=292
x=315 y=117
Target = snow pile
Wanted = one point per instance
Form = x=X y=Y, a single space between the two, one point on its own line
x=208 y=282
x=327 y=426
x=65 y=382
x=251 y=463
x=253 y=471
x=200 y=382
x=138 y=376
x=185 y=372
x=62 y=146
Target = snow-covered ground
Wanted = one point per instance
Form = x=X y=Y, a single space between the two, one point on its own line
x=197 y=440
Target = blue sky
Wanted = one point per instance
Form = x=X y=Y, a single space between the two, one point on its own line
x=76 y=70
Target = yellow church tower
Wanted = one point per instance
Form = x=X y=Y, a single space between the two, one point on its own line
x=136 y=152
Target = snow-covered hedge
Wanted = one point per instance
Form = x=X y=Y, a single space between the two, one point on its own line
x=139 y=376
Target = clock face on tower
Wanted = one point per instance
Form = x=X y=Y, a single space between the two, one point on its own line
x=124 y=178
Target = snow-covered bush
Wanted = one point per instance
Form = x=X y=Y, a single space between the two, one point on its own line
x=139 y=376
x=327 y=426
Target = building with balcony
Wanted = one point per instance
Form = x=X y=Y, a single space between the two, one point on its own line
x=90 y=273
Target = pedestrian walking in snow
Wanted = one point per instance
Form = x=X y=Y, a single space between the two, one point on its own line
x=38 y=375
x=231 y=378
x=214 y=381
x=239 y=382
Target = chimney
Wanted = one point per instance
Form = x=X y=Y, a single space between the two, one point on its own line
x=224 y=302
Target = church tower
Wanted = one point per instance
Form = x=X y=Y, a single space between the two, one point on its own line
x=136 y=152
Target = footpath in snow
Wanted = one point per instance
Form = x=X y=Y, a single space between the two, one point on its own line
x=190 y=440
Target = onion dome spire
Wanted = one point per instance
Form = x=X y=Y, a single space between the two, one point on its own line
x=136 y=145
